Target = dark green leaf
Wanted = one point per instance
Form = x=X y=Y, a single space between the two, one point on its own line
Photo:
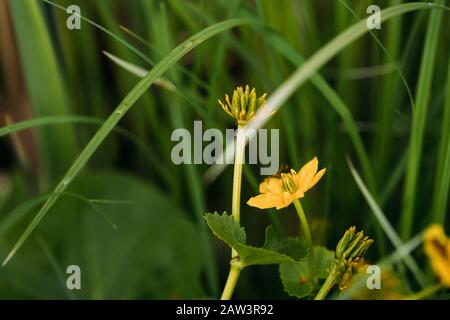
x=295 y=276
x=226 y=228
x=275 y=250
x=292 y=247
x=154 y=237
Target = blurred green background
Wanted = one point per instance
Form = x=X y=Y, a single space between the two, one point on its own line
x=162 y=248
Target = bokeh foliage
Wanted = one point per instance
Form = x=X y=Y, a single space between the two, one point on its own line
x=162 y=248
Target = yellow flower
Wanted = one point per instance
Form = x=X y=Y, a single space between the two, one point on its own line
x=281 y=191
x=243 y=104
x=437 y=247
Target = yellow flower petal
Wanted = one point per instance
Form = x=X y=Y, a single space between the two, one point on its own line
x=266 y=200
x=437 y=247
x=309 y=168
x=271 y=185
x=316 y=178
x=307 y=172
x=279 y=192
x=287 y=200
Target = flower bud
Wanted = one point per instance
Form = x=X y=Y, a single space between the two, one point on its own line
x=345 y=240
x=243 y=105
x=355 y=242
x=350 y=256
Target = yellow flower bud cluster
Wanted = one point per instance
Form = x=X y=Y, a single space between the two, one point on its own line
x=349 y=254
x=243 y=104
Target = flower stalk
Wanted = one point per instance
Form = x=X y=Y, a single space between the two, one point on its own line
x=232 y=280
x=307 y=232
x=327 y=285
x=235 y=268
x=237 y=175
x=242 y=108
x=304 y=222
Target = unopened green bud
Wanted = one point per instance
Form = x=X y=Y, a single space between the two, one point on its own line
x=367 y=244
x=243 y=104
x=345 y=240
x=360 y=249
x=355 y=242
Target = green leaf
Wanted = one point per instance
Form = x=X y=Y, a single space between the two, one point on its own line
x=226 y=228
x=258 y=256
x=295 y=276
x=292 y=247
x=275 y=250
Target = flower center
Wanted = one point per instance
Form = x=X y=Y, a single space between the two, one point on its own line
x=288 y=182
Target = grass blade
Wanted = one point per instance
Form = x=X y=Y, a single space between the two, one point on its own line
x=419 y=122
x=138 y=71
x=55 y=120
x=45 y=121
x=442 y=180
x=386 y=225
x=59 y=272
x=333 y=98
x=47 y=97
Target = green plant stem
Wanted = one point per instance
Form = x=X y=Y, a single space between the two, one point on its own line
x=306 y=230
x=303 y=221
x=235 y=270
x=237 y=176
x=425 y=292
x=326 y=287
x=232 y=279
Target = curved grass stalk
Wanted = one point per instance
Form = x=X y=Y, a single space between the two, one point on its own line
x=308 y=69
x=182 y=69
x=425 y=293
x=118 y=114
x=44 y=121
x=140 y=72
x=333 y=98
x=58 y=120
x=20 y=211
